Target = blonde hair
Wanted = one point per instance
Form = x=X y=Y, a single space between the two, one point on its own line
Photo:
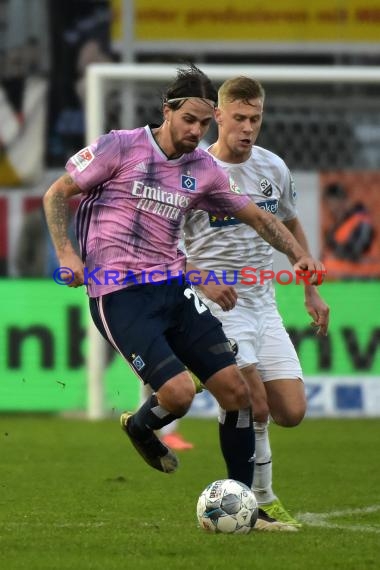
x=240 y=88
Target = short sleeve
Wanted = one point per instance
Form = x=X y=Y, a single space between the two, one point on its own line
x=96 y=163
x=287 y=205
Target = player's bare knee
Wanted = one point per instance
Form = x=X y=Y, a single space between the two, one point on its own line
x=261 y=417
x=230 y=389
x=288 y=419
x=260 y=409
x=177 y=406
x=177 y=394
x=297 y=414
x=297 y=417
x=235 y=397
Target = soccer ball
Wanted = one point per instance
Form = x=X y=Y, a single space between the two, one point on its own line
x=227 y=506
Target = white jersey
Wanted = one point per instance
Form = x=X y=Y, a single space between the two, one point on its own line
x=226 y=246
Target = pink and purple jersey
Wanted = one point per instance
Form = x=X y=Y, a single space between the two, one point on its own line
x=134 y=199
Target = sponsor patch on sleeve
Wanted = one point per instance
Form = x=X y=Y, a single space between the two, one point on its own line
x=83 y=158
x=234 y=187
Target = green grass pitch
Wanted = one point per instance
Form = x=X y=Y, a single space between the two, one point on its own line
x=75 y=495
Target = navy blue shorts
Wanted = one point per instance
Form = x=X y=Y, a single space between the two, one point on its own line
x=162 y=329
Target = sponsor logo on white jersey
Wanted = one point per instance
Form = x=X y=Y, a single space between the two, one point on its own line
x=216 y=222
x=269 y=206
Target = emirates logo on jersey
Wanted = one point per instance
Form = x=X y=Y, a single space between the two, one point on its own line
x=266 y=187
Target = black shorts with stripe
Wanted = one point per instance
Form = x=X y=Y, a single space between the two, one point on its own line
x=162 y=329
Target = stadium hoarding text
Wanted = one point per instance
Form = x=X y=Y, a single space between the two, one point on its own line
x=293 y=22
x=43 y=350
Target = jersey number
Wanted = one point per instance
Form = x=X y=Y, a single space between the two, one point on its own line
x=199 y=306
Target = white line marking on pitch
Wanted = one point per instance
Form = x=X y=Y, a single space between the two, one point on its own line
x=55 y=525
x=322 y=519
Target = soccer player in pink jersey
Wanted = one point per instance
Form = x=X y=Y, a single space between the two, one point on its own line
x=136 y=186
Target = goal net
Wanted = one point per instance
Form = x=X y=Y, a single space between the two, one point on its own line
x=324 y=121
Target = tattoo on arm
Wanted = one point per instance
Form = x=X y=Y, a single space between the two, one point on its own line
x=66 y=178
x=275 y=233
x=57 y=215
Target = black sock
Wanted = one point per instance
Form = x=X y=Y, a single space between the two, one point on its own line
x=237 y=442
x=150 y=416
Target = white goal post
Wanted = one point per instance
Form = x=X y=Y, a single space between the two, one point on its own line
x=97 y=76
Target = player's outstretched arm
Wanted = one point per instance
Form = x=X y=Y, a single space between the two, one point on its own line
x=315 y=305
x=56 y=210
x=274 y=232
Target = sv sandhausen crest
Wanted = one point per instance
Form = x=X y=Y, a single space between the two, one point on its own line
x=266 y=187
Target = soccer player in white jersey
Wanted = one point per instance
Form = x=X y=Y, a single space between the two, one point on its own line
x=248 y=311
x=136 y=186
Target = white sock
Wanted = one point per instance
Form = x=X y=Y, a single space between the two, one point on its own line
x=145 y=392
x=170 y=428
x=262 y=478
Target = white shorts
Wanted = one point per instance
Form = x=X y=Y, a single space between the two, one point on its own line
x=262 y=340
